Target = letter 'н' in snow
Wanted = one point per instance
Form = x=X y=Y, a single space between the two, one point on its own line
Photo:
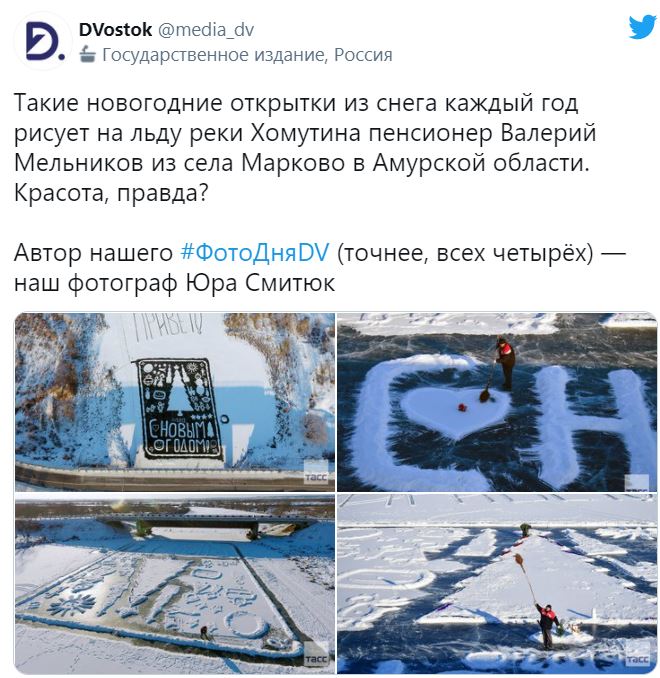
x=574 y=587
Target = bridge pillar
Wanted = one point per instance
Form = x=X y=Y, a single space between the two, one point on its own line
x=253 y=532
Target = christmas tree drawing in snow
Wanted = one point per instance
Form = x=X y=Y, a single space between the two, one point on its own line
x=577 y=589
x=178 y=409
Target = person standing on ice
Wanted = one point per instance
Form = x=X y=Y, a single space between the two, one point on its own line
x=548 y=618
x=506 y=357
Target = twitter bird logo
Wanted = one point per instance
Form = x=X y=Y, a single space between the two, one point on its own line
x=643 y=28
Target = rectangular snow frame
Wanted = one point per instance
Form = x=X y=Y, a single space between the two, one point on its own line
x=35 y=607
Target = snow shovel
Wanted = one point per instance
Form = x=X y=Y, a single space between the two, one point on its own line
x=519 y=559
x=484 y=396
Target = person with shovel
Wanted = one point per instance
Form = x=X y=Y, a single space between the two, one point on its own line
x=506 y=357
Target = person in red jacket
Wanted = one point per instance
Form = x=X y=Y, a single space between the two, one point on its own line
x=506 y=358
x=548 y=618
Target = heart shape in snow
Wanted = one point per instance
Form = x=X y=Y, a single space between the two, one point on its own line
x=437 y=409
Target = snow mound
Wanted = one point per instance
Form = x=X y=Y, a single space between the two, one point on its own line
x=641 y=570
x=372 y=458
x=578 y=591
x=438 y=409
x=594 y=547
x=393 y=324
x=630 y=321
x=629 y=533
x=482 y=545
x=568 y=638
x=600 y=657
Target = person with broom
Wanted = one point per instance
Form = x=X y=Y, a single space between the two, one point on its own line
x=548 y=618
x=506 y=358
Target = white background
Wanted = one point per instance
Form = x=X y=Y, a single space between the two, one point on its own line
x=462 y=49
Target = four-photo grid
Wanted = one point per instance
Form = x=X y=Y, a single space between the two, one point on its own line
x=317 y=493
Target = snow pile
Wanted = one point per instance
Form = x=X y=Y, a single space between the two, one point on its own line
x=438 y=409
x=481 y=546
x=646 y=571
x=630 y=321
x=629 y=533
x=557 y=424
x=389 y=324
x=601 y=657
x=371 y=456
x=594 y=547
x=577 y=590
x=381 y=571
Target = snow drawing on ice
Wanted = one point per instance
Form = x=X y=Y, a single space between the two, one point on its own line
x=439 y=409
x=482 y=545
x=557 y=424
x=594 y=547
x=167 y=599
x=579 y=591
x=72 y=605
x=246 y=624
x=389 y=569
x=372 y=457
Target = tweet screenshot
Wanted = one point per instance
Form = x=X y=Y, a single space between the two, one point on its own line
x=331 y=332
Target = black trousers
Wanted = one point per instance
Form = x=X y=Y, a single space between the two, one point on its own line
x=508 y=374
x=547 y=638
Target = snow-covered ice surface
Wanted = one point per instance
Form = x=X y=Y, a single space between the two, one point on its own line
x=259 y=600
x=31 y=570
x=627 y=516
x=476 y=614
x=449 y=323
x=51 y=651
x=78 y=398
x=600 y=657
x=380 y=571
x=582 y=414
x=631 y=320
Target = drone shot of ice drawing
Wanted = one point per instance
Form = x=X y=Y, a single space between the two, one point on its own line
x=167 y=586
x=149 y=401
x=497 y=402
x=503 y=583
